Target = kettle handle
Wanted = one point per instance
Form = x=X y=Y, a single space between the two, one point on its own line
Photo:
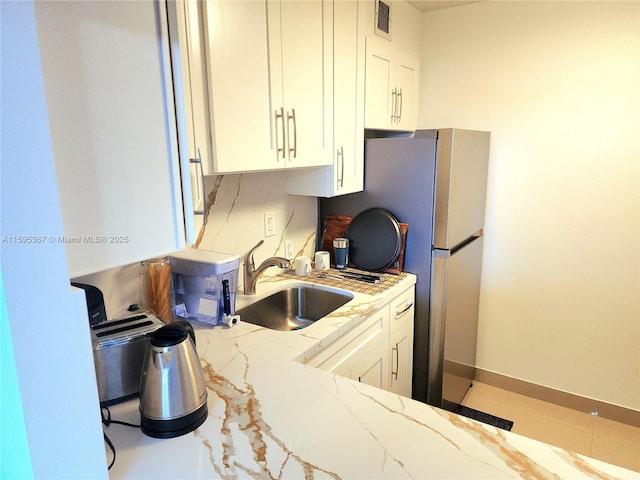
x=187 y=326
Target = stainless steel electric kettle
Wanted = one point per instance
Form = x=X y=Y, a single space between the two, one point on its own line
x=173 y=395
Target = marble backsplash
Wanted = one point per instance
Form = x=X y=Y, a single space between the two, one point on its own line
x=236 y=216
x=236 y=205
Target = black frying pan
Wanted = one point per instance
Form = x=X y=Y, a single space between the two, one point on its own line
x=375 y=239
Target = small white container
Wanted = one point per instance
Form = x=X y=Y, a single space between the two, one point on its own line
x=322 y=260
x=302 y=266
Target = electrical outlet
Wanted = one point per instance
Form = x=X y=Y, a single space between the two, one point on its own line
x=269 y=224
x=288 y=249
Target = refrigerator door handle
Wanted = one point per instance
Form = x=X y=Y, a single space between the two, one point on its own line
x=467 y=241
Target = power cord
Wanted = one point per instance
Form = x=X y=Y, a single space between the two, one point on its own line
x=106 y=421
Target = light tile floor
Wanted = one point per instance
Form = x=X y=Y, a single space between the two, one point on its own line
x=596 y=437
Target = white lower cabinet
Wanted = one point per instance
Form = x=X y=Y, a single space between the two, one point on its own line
x=378 y=351
x=401 y=315
x=401 y=360
x=345 y=353
x=373 y=367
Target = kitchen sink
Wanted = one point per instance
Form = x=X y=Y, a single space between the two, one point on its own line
x=293 y=308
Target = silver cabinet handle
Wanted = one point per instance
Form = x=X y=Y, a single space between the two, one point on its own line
x=394 y=101
x=280 y=115
x=399 y=117
x=395 y=374
x=341 y=163
x=295 y=134
x=396 y=111
x=404 y=310
x=292 y=116
x=198 y=162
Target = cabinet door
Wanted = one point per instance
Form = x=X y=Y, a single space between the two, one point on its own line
x=243 y=105
x=306 y=42
x=407 y=88
x=345 y=174
x=348 y=127
x=391 y=87
x=401 y=318
x=379 y=84
x=401 y=360
x=343 y=370
x=373 y=367
x=108 y=85
x=192 y=107
x=345 y=352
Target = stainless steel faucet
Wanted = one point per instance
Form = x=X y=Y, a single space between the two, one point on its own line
x=251 y=274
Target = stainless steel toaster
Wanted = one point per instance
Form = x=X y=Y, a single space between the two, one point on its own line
x=119 y=348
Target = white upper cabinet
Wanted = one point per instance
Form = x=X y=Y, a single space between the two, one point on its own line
x=285 y=83
x=192 y=104
x=348 y=97
x=345 y=174
x=109 y=92
x=407 y=68
x=306 y=62
x=390 y=87
x=269 y=84
x=379 y=84
x=392 y=30
x=243 y=123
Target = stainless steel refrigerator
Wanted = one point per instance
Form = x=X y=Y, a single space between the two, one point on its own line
x=436 y=182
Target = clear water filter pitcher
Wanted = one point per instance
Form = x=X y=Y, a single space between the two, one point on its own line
x=204 y=285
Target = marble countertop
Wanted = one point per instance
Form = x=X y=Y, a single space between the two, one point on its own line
x=271 y=416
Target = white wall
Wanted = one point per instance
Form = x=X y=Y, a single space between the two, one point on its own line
x=405 y=24
x=55 y=430
x=558 y=85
